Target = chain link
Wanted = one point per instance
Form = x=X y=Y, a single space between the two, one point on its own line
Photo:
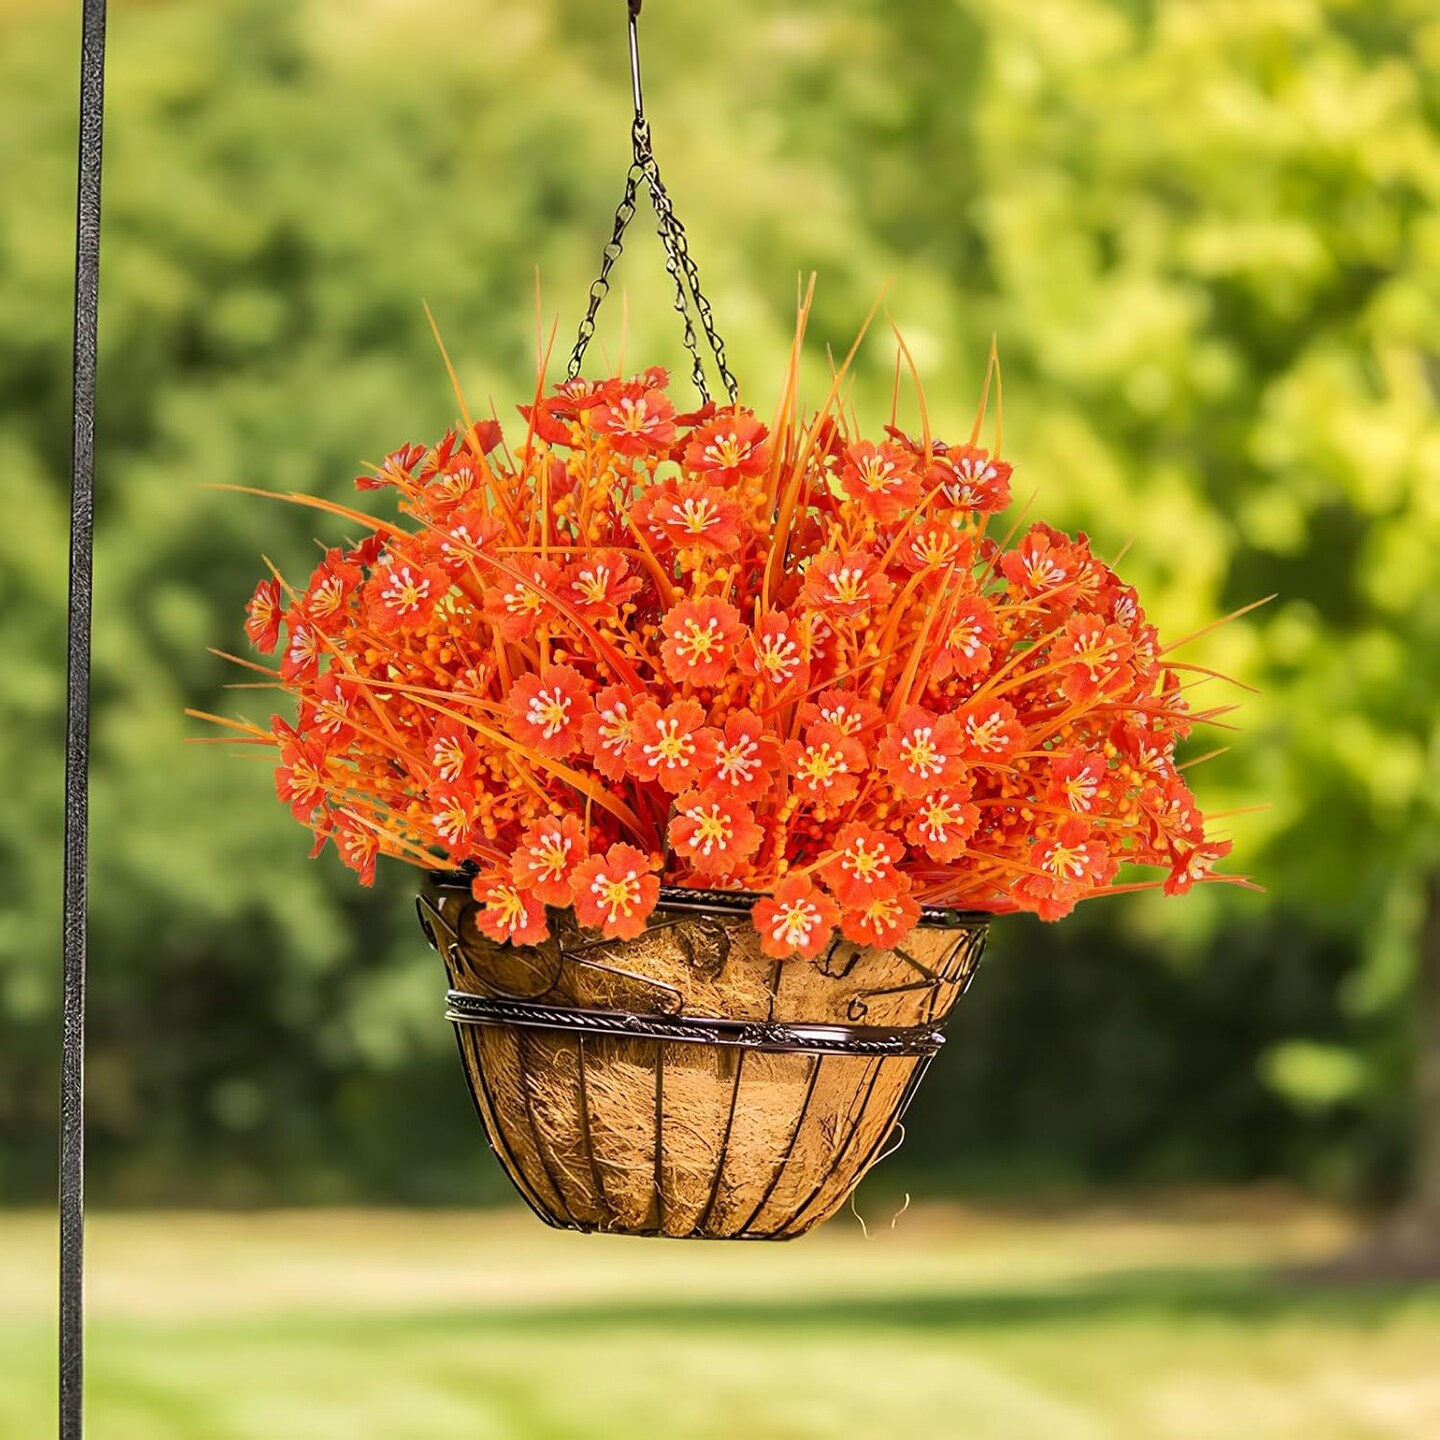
x=600 y=286
x=679 y=262
x=674 y=266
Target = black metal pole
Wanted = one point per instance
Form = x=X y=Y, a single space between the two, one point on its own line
x=77 y=728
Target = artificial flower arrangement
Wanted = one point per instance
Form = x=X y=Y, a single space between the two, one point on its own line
x=720 y=739
x=629 y=645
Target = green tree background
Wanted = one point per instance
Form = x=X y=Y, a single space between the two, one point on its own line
x=1207 y=237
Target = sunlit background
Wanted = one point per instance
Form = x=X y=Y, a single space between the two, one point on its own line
x=1206 y=235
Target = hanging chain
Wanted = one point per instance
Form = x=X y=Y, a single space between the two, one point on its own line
x=679 y=263
x=600 y=286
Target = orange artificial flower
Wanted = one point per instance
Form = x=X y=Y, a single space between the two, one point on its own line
x=922 y=752
x=608 y=730
x=263 y=615
x=549 y=709
x=615 y=892
x=507 y=911
x=672 y=746
x=884 y=922
x=714 y=831
x=796 y=919
x=729 y=448
x=862 y=866
x=882 y=478
x=826 y=764
x=547 y=857
x=746 y=755
x=701 y=639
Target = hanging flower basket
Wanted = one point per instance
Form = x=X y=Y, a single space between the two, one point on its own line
x=719 y=740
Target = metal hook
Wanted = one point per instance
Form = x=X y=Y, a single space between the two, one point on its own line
x=635 y=57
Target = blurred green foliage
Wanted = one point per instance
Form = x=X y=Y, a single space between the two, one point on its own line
x=1207 y=236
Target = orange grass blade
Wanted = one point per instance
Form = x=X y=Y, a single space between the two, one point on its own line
x=1208 y=755
x=245 y=727
x=991 y=365
x=780 y=537
x=312 y=502
x=244 y=663
x=1216 y=624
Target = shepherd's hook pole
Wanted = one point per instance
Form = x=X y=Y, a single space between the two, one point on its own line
x=77 y=727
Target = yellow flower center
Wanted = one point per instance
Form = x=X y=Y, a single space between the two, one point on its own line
x=920 y=754
x=517 y=602
x=863 y=864
x=986 y=734
x=795 y=922
x=726 y=451
x=932 y=549
x=883 y=914
x=671 y=745
x=593 y=585
x=965 y=638
x=549 y=711
x=617 y=896
x=712 y=831
x=939 y=817
x=328 y=597
x=738 y=761
x=1063 y=861
x=549 y=857
x=510 y=905
x=405 y=592
x=449 y=758
x=696 y=516
x=876 y=474
x=634 y=416
x=1042 y=570
x=776 y=654
x=823 y=764
x=701 y=642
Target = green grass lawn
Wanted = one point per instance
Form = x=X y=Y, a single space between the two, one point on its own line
x=382 y=1326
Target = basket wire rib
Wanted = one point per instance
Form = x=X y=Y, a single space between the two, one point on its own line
x=523 y=1040
x=874 y=1155
x=702 y=1224
x=659 y=1158
x=858 y=1116
x=780 y=1169
x=589 y=1139
x=479 y=1084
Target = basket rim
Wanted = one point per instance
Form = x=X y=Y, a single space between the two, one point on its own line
x=464 y=1007
x=733 y=902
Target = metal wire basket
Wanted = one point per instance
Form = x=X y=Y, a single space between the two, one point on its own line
x=683 y=1084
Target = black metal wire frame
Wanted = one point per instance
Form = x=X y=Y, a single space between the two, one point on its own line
x=77 y=727
x=648 y=1036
